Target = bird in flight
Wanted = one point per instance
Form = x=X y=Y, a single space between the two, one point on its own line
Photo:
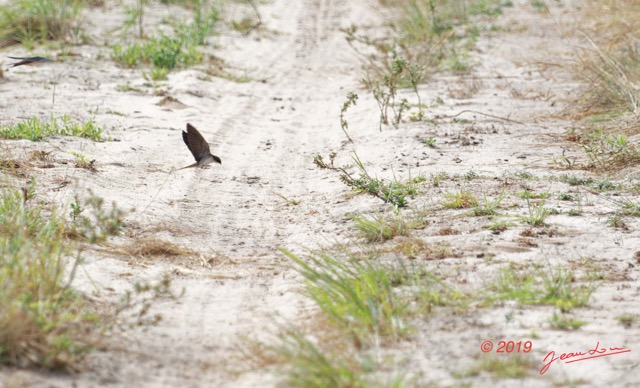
x=29 y=61
x=198 y=147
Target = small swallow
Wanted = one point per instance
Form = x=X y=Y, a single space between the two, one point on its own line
x=198 y=147
x=29 y=61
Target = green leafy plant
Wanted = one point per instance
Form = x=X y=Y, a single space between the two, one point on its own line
x=351 y=100
x=394 y=192
x=607 y=151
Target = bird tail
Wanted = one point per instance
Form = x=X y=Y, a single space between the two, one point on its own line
x=189 y=166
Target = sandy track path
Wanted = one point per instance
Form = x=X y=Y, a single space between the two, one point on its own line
x=266 y=134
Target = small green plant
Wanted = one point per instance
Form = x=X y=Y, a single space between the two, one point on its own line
x=629 y=208
x=498 y=226
x=98 y=224
x=527 y=194
x=163 y=52
x=609 y=151
x=460 y=200
x=628 y=320
x=573 y=180
x=562 y=322
x=158 y=73
x=394 y=192
x=470 y=175
x=385 y=90
x=615 y=221
x=565 y=197
x=487 y=207
x=574 y=212
x=524 y=175
x=135 y=15
x=313 y=365
x=81 y=161
x=351 y=100
x=430 y=141
x=35 y=129
x=436 y=179
x=378 y=227
x=604 y=185
x=537 y=213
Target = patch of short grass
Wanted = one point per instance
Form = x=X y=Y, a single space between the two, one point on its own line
x=462 y=199
x=537 y=213
x=610 y=61
x=29 y=22
x=554 y=287
x=628 y=320
x=369 y=300
x=609 y=151
x=488 y=207
x=379 y=227
x=165 y=53
x=309 y=364
x=513 y=366
x=35 y=129
x=564 y=322
x=439 y=34
x=498 y=226
x=573 y=180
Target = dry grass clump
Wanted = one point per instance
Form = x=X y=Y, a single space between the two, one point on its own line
x=611 y=63
x=152 y=247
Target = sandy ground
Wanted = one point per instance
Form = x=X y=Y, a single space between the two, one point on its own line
x=267 y=132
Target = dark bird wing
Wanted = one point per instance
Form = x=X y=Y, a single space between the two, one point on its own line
x=28 y=60
x=195 y=142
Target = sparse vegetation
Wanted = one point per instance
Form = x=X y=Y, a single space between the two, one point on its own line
x=487 y=207
x=363 y=303
x=45 y=323
x=563 y=322
x=552 y=287
x=394 y=192
x=513 y=367
x=460 y=200
x=378 y=227
x=367 y=298
x=35 y=129
x=30 y=22
x=537 y=213
x=608 y=151
x=165 y=53
x=351 y=100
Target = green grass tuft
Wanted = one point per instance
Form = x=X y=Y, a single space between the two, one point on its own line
x=35 y=129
